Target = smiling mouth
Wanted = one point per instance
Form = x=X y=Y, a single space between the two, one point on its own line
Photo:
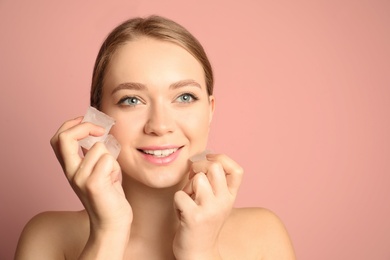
x=159 y=153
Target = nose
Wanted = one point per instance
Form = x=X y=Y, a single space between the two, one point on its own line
x=160 y=121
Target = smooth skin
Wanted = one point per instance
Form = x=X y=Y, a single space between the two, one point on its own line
x=136 y=208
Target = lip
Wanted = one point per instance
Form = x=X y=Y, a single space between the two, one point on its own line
x=160 y=161
x=159 y=147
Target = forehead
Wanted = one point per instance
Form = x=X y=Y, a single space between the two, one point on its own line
x=152 y=62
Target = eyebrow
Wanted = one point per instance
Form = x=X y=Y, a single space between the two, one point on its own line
x=129 y=85
x=140 y=86
x=184 y=83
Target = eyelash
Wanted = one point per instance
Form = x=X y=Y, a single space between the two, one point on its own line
x=125 y=98
x=192 y=96
x=122 y=101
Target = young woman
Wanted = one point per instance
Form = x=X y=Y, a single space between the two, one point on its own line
x=155 y=79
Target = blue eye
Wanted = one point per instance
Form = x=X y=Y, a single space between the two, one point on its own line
x=186 y=98
x=129 y=101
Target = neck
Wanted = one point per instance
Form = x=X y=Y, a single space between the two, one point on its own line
x=154 y=215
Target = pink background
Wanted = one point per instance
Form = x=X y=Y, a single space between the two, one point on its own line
x=303 y=104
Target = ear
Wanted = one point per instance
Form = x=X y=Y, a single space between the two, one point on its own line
x=212 y=107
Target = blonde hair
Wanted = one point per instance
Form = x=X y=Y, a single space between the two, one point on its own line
x=155 y=27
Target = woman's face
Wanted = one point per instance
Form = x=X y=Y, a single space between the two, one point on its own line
x=156 y=91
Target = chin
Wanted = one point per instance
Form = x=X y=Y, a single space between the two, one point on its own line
x=159 y=178
x=162 y=180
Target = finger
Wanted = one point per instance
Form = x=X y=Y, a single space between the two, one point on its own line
x=233 y=171
x=184 y=205
x=217 y=178
x=197 y=167
x=215 y=174
x=202 y=189
x=54 y=139
x=104 y=175
x=68 y=147
x=198 y=158
x=68 y=124
x=109 y=168
x=188 y=188
x=88 y=164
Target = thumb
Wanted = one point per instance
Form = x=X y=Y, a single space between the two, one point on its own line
x=184 y=205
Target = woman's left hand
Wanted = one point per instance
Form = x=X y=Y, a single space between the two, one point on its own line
x=203 y=206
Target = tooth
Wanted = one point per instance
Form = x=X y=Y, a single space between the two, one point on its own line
x=161 y=153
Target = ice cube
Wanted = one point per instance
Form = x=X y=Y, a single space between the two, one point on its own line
x=200 y=156
x=99 y=118
x=112 y=146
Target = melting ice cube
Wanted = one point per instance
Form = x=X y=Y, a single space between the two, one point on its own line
x=200 y=156
x=99 y=118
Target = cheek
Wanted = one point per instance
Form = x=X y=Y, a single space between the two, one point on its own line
x=195 y=124
x=126 y=128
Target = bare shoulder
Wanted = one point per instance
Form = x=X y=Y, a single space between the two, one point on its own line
x=256 y=232
x=53 y=235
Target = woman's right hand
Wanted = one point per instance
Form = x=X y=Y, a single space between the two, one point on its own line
x=96 y=178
